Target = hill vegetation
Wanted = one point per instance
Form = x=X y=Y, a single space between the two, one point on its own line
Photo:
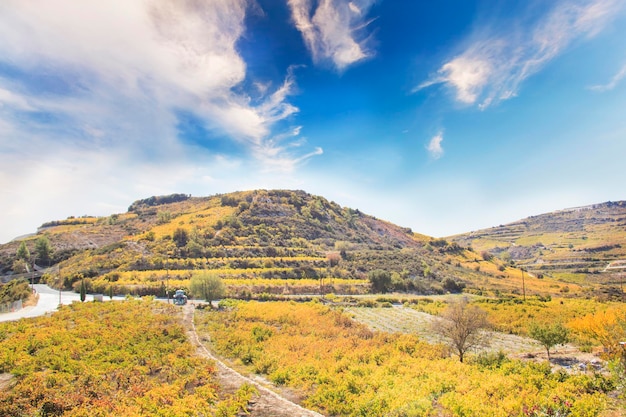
x=581 y=246
x=283 y=242
x=259 y=242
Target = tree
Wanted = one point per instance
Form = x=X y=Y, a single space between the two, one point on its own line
x=180 y=237
x=43 y=250
x=333 y=258
x=380 y=280
x=462 y=326
x=207 y=286
x=549 y=335
x=20 y=266
x=83 y=290
x=23 y=253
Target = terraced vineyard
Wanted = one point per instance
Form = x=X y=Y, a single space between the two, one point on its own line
x=575 y=245
x=258 y=242
x=282 y=242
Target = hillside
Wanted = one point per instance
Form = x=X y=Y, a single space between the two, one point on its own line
x=584 y=245
x=278 y=242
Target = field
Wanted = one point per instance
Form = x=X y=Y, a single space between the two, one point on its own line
x=107 y=359
x=344 y=368
x=410 y=321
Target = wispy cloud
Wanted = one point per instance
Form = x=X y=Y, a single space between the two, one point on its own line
x=496 y=62
x=333 y=29
x=90 y=94
x=116 y=57
x=434 y=146
x=615 y=80
x=10 y=99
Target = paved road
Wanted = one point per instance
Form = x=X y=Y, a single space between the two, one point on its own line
x=48 y=302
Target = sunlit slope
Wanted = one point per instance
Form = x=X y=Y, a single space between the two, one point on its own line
x=279 y=242
x=585 y=245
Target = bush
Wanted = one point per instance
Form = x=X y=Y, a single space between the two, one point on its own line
x=491 y=360
x=17 y=289
x=453 y=286
x=486 y=255
x=380 y=280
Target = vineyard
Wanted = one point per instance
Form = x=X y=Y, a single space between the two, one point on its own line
x=410 y=321
x=344 y=368
x=107 y=359
x=574 y=245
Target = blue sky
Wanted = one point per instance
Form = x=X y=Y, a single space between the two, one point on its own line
x=445 y=116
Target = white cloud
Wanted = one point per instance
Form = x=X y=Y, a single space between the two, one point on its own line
x=495 y=63
x=115 y=57
x=612 y=83
x=8 y=98
x=331 y=30
x=89 y=113
x=434 y=146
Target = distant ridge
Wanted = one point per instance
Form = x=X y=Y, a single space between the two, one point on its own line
x=588 y=207
x=572 y=245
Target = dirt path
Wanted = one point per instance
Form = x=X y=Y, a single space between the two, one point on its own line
x=267 y=403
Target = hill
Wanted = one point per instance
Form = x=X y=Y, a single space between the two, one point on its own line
x=583 y=245
x=276 y=241
x=283 y=242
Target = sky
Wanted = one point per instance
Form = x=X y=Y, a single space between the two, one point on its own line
x=442 y=116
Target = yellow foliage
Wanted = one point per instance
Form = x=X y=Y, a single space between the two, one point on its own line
x=606 y=327
x=344 y=369
x=198 y=219
x=515 y=315
x=105 y=359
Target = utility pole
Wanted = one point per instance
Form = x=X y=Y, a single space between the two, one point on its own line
x=523 y=284
x=32 y=278
x=167 y=279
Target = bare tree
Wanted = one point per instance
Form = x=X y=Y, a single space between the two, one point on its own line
x=462 y=326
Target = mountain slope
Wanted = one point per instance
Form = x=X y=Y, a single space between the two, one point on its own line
x=266 y=241
x=258 y=241
x=584 y=245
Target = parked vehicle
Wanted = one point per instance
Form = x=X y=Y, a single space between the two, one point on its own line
x=180 y=298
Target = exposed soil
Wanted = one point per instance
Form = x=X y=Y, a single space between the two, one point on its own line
x=31 y=301
x=266 y=403
x=5 y=381
x=568 y=358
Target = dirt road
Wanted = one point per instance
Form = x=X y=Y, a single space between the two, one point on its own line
x=267 y=403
